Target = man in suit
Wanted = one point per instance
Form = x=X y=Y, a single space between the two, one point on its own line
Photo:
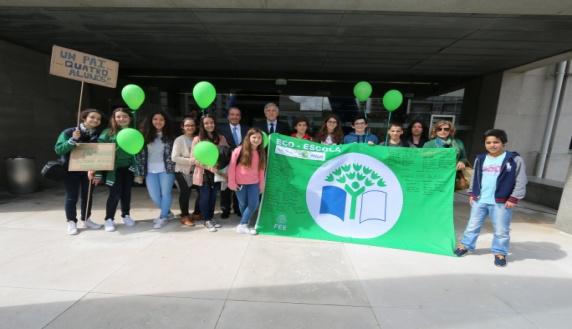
x=234 y=133
x=271 y=124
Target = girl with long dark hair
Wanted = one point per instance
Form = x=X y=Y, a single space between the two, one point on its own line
x=155 y=164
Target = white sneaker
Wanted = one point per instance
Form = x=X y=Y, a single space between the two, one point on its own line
x=109 y=225
x=216 y=224
x=170 y=215
x=210 y=226
x=88 y=223
x=128 y=221
x=159 y=222
x=244 y=229
x=72 y=228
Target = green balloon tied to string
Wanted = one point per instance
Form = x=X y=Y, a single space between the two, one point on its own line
x=392 y=100
x=204 y=94
x=362 y=90
x=133 y=96
x=130 y=140
x=206 y=153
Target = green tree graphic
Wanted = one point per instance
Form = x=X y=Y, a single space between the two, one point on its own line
x=355 y=178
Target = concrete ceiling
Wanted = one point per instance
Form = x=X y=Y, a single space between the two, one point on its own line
x=181 y=39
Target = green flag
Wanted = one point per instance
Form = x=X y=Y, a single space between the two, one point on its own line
x=384 y=196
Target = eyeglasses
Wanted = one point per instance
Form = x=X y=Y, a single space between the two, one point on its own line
x=443 y=129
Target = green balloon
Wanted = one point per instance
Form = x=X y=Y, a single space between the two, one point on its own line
x=392 y=100
x=362 y=90
x=204 y=93
x=206 y=153
x=265 y=139
x=130 y=140
x=133 y=96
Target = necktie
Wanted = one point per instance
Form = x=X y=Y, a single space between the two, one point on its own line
x=235 y=135
x=271 y=131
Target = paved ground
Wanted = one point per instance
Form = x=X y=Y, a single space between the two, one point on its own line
x=189 y=278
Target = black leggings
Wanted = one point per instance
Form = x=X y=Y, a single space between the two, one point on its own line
x=77 y=184
x=185 y=194
x=121 y=190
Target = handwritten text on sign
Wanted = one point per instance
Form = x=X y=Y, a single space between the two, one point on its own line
x=75 y=65
x=92 y=156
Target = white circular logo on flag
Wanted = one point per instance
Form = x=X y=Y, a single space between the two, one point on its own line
x=354 y=195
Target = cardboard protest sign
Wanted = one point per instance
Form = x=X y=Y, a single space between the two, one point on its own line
x=75 y=65
x=92 y=156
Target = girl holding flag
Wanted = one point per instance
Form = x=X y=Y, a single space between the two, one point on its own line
x=246 y=176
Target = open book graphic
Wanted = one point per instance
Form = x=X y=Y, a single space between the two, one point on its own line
x=373 y=206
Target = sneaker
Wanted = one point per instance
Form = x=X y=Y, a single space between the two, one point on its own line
x=216 y=224
x=109 y=225
x=500 y=260
x=244 y=229
x=72 y=228
x=210 y=226
x=88 y=223
x=170 y=215
x=159 y=223
x=127 y=220
x=460 y=251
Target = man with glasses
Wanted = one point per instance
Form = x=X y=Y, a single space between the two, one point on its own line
x=271 y=124
x=360 y=134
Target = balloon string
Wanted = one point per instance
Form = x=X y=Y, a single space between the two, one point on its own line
x=387 y=133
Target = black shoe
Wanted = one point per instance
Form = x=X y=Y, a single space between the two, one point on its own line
x=460 y=251
x=225 y=215
x=500 y=260
x=238 y=213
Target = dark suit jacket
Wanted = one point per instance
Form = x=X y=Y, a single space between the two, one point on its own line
x=224 y=129
x=281 y=127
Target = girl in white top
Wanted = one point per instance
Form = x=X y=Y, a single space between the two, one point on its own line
x=331 y=131
x=181 y=155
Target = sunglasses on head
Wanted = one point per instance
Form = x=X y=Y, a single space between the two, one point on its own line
x=443 y=129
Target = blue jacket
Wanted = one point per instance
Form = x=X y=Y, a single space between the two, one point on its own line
x=511 y=182
x=355 y=138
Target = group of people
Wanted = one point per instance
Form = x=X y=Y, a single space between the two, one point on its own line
x=497 y=185
x=164 y=159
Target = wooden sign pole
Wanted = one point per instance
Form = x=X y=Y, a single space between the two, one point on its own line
x=79 y=106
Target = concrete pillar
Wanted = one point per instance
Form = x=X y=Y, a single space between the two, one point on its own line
x=480 y=107
x=564 y=216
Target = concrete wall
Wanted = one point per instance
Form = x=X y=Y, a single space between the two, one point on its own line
x=564 y=217
x=35 y=106
x=522 y=111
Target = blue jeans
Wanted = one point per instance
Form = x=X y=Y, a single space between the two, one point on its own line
x=207 y=200
x=160 y=187
x=248 y=198
x=500 y=218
